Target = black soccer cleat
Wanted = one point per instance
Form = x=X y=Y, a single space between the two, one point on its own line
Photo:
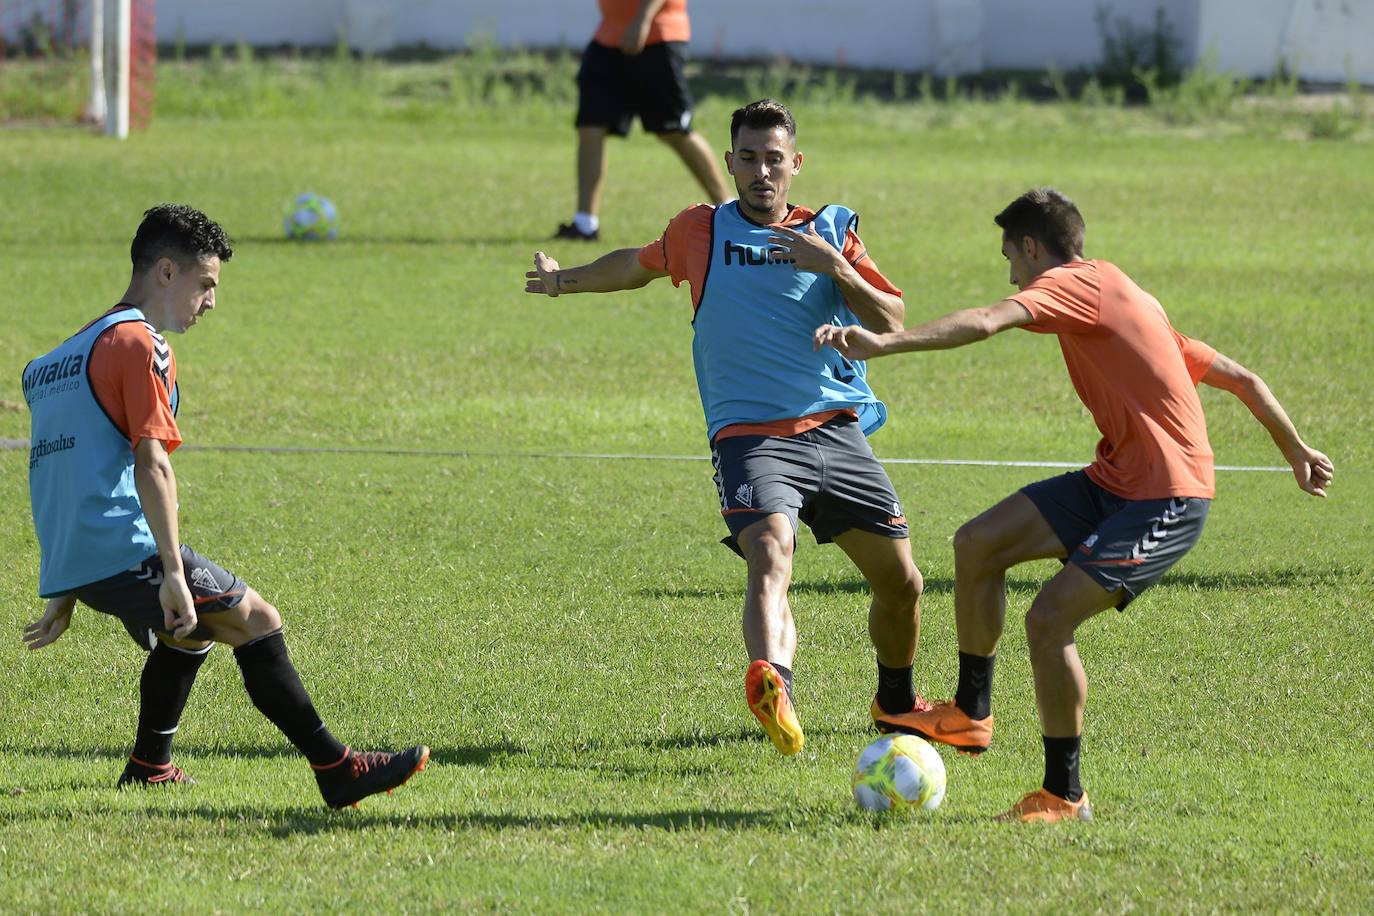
x=138 y=773
x=570 y=231
x=358 y=774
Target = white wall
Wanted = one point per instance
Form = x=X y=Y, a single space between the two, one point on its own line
x=1321 y=39
x=1326 y=40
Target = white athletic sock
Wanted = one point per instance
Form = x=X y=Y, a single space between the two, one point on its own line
x=586 y=223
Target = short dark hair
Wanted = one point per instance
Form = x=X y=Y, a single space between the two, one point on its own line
x=179 y=232
x=1047 y=216
x=765 y=114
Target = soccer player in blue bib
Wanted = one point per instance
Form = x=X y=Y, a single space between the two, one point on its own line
x=104 y=498
x=787 y=425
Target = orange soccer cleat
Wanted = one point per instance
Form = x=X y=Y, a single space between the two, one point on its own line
x=767 y=697
x=943 y=722
x=1043 y=805
x=877 y=712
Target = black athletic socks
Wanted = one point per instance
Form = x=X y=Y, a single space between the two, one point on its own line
x=1061 y=767
x=163 y=688
x=896 y=693
x=974 y=694
x=276 y=690
x=786 y=675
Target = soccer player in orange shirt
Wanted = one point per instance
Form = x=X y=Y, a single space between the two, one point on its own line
x=104 y=499
x=633 y=67
x=1118 y=524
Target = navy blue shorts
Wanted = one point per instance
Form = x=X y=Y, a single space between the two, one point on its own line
x=827 y=477
x=132 y=595
x=1121 y=543
x=614 y=88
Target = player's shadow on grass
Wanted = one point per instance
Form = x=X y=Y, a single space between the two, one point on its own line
x=851 y=586
x=1293 y=577
x=1296 y=577
x=689 y=741
x=745 y=734
x=284 y=823
x=116 y=755
x=600 y=751
x=474 y=755
x=750 y=735
x=308 y=816
x=288 y=822
x=603 y=756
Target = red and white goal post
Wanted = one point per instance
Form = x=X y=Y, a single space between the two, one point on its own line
x=88 y=60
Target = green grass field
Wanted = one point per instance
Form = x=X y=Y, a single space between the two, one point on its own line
x=399 y=448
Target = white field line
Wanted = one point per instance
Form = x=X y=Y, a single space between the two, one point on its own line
x=610 y=456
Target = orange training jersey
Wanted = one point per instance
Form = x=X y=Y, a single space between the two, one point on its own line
x=1135 y=374
x=132 y=375
x=670 y=23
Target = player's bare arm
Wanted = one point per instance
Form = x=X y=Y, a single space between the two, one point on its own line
x=607 y=274
x=953 y=330
x=57 y=616
x=157 y=492
x=1312 y=469
x=876 y=310
x=637 y=32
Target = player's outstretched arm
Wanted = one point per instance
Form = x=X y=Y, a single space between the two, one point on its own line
x=607 y=274
x=953 y=330
x=54 y=622
x=1313 y=470
x=853 y=341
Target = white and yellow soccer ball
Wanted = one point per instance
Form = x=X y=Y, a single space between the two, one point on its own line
x=899 y=773
x=311 y=218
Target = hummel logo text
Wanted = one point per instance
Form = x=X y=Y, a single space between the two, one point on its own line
x=752 y=256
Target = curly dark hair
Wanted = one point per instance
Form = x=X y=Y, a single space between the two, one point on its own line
x=1047 y=216
x=765 y=114
x=179 y=232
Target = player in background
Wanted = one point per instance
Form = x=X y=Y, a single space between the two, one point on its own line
x=1117 y=525
x=634 y=66
x=786 y=425
x=104 y=501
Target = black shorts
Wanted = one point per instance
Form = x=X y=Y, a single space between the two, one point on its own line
x=827 y=477
x=1121 y=543
x=612 y=88
x=132 y=595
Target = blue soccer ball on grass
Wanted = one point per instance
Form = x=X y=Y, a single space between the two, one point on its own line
x=311 y=218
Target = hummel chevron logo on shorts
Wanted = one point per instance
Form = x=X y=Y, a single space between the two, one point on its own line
x=1160 y=529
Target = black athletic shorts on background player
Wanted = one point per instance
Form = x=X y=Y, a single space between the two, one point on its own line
x=612 y=88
